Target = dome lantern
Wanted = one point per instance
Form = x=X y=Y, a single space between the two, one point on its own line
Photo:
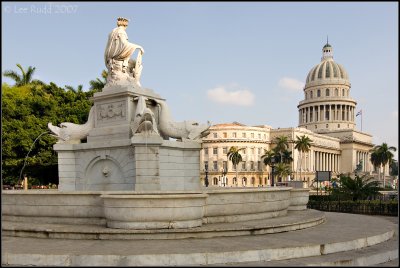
x=327 y=51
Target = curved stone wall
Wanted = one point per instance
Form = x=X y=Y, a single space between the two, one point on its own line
x=242 y=204
x=298 y=199
x=153 y=211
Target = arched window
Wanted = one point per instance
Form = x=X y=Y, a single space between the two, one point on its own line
x=306 y=95
x=318 y=93
x=244 y=181
x=253 y=181
x=327 y=92
x=234 y=181
x=342 y=92
x=260 y=181
x=336 y=92
x=311 y=94
x=215 y=181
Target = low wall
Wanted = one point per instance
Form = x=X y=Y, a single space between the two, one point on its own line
x=149 y=210
x=242 y=204
x=298 y=199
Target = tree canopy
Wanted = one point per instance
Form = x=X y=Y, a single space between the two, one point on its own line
x=26 y=111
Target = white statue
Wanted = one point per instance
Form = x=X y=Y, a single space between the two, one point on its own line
x=117 y=56
x=73 y=133
x=186 y=130
x=144 y=120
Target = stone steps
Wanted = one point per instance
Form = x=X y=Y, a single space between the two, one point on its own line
x=344 y=239
x=382 y=254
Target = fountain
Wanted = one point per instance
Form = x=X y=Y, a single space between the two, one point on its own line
x=132 y=167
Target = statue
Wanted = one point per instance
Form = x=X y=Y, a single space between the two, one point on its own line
x=72 y=133
x=144 y=120
x=117 y=56
x=186 y=130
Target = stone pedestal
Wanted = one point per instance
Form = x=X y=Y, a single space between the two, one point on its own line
x=142 y=163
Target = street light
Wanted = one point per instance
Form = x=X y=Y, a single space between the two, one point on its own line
x=272 y=174
x=206 y=179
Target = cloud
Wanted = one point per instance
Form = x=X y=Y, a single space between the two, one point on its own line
x=290 y=84
x=231 y=94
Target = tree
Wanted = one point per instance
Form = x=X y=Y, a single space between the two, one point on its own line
x=98 y=84
x=385 y=156
x=25 y=78
x=359 y=188
x=26 y=110
x=303 y=145
x=394 y=168
x=281 y=145
x=287 y=157
x=376 y=161
x=282 y=170
x=235 y=156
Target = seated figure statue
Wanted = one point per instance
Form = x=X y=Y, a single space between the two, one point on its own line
x=117 y=56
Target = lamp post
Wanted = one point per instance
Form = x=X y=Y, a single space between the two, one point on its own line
x=206 y=179
x=272 y=173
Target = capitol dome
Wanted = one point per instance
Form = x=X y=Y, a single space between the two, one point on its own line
x=327 y=105
x=327 y=71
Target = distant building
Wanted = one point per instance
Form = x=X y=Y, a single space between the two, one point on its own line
x=326 y=115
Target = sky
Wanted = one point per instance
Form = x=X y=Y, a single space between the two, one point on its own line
x=220 y=61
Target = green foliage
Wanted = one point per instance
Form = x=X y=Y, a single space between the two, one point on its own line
x=26 y=111
x=235 y=156
x=357 y=188
x=98 y=84
x=394 y=168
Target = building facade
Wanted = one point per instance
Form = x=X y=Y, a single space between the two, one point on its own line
x=326 y=115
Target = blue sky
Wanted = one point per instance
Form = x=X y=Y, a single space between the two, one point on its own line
x=219 y=61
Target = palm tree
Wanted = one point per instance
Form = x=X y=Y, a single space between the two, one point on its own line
x=23 y=79
x=376 y=161
x=287 y=157
x=78 y=89
x=235 y=156
x=98 y=84
x=281 y=145
x=386 y=156
x=359 y=188
x=282 y=170
x=303 y=145
x=268 y=156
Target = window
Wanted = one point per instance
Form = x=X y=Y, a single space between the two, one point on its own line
x=252 y=150
x=327 y=92
x=225 y=165
x=215 y=181
x=225 y=135
x=215 y=135
x=259 y=150
x=205 y=151
x=205 y=165
x=244 y=181
x=225 y=150
x=311 y=94
x=215 y=165
x=244 y=134
x=244 y=166
x=252 y=135
x=259 y=135
x=234 y=135
x=259 y=165
x=259 y=181
x=215 y=150
x=265 y=136
x=326 y=115
x=342 y=92
x=306 y=95
x=336 y=92
x=338 y=125
x=253 y=181
x=318 y=93
x=252 y=165
x=234 y=181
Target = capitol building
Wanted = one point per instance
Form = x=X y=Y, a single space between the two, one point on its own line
x=326 y=115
